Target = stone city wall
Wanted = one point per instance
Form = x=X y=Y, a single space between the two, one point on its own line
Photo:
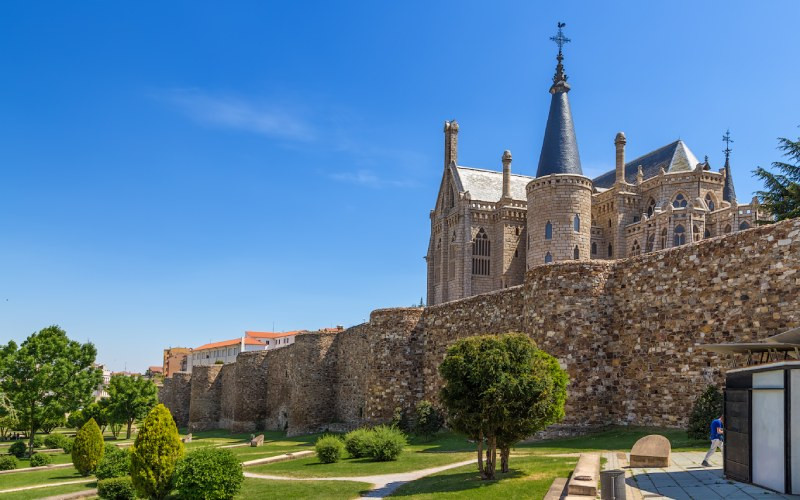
x=627 y=331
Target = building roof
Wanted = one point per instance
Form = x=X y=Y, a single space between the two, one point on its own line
x=155 y=369
x=226 y=343
x=270 y=335
x=728 y=193
x=560 y=146
x=674 y=157
x=487 y=185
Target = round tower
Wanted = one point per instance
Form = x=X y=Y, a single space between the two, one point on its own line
x=560 y=198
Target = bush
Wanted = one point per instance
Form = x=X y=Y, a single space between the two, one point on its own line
x=116 y=488
x=54 y=441
x=40 y=459
x=115 y=463
x=706 y=408
x=329 y=449
x=358 y=443
x=387 y=443
x=18 y=448
x=38 y=442
x=154 y=454
x=208 y=474
x=67 y=445
x=400 y=419
x=87 y=450
x=428 y=420
x=8 y=462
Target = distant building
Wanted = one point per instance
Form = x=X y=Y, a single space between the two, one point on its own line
x=101 y=391
x=154 y=371
x=273 y=340
x=176 y=359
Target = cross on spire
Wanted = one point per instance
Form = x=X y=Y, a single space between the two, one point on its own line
x=560 y=78
x=560 y=39
x=727 y=140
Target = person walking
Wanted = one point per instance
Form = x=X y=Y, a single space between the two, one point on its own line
x=717 y=431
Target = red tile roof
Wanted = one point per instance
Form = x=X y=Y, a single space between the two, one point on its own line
x=270 y=335
x=226 y=343
x=155 y=369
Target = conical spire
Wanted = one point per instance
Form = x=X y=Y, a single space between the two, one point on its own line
x=560 y=147
x=728 y=193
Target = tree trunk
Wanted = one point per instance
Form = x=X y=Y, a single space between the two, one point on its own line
x=480 y=453
x=128 y=434
x=505 y=451
x=33 y=430
x=491 y=457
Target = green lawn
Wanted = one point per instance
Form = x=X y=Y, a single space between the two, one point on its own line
x=57 y=458
x=38 y=477
x=256 y=489
x=46 y=492
x=615 y=438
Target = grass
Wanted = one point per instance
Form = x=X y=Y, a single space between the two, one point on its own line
x=45 y=492
x=256 y=489
x=615 y=439
x=31 y=478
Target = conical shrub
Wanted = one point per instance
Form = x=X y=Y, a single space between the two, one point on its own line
x=155 y=452
x=87 y=449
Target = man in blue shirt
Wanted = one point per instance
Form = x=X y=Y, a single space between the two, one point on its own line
x=717 y=431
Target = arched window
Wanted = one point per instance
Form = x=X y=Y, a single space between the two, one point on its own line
x=576 y=223
x=663 y=239
x=695 y=233
x=727 y=229
x=576 y=254
x=651 y=243
x=594 y=248
x=437 y=261
x=710 y=202
x=452 y=198
x=707 y=233
x=651 y=207
x=609 y=222
x=610 y=251
x=516 y=231
x=679 y=201
x=744 y=225
x=548 y=258
x=548 y=231
x=636 y=249
x=680 y=236
x=481 y=251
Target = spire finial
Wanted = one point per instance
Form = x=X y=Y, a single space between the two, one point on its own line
x=560 y=78
x=727 y=140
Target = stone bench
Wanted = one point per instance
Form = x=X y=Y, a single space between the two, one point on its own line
x=583 y=481
x=651 y=451
x=187 y=438
x=257 y=441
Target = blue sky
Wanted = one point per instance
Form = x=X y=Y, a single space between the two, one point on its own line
x=177 y=172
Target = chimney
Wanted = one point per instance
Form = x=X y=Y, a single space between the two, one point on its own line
x=507 y=174
x=619 y=143
x=450 y=143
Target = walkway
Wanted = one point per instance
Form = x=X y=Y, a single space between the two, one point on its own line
x=382 y=485
x=687 y=479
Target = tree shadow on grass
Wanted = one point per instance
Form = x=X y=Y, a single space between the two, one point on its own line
x=455 y=482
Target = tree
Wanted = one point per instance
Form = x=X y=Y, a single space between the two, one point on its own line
x=154 y=454
x=98 y=413
x=500 y=389
x=706 y=408
x=427 y=420
x=130 y=398
x=781 y=194
x=88 y=449
x=48 y=376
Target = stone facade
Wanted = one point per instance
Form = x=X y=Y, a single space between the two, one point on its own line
x=627 y=331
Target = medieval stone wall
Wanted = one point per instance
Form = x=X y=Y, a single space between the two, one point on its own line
x=628 y=332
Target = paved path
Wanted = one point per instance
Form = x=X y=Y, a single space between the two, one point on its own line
x=382 y=485
x=687 y=479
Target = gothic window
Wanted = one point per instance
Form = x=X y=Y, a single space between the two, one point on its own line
x=516 y=231
x=707 y=233
x=635 y=218
x=437 y=261
x=452 y=198
x=710 y=202
x=651 y=242
x=576 y=223
x=636 y=249
x=651 y=207
x=680 y=236
x=548 y=231
x=727 y=229
x=451 y=271
x=610 y=251
x=679 y=201
x=576 y=254
x=548 y=258
x=744 y=225
x=594 y=248
x=609 y=222
x=663 y=239
x=695 y=233
x=481 y=251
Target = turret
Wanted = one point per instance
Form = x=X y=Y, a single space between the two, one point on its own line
x=450 y=142
x=619 y=144
x=506 y=174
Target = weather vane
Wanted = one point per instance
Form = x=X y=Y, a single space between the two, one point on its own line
x=560 y=39
x=727 y=140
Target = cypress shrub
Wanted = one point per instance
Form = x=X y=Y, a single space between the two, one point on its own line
x=116 y=488
x=387 y=443
x=154 y=454
x=8 y=462
x=329 y=449
x=40 y=459
x=87 y=449
x=115 y=463
x=706 y=408
x=18 y=449
x=358 y=443
x=208 y=474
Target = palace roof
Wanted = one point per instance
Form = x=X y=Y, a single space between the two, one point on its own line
x=487 y=185
x=674 y=157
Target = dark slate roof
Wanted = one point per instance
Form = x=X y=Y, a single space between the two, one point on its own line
x=728 y=193
x=674 y=157
x=560 y=147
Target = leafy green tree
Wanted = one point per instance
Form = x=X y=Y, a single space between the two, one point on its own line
x=47 y=376
x=209 y=474
x=98 y=413
x=154 y=454
x=131 y=398
x=706 y=408
x=8 y=423
x=499 y=389
x=781 y=194
x=428 y=420
x=87 y=449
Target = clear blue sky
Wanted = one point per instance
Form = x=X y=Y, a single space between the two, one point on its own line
x=178 y=172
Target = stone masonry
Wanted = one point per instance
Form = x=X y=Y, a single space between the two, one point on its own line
x=627 y=331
